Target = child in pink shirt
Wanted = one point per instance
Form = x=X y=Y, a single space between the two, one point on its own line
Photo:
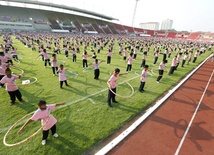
x=96 y=69
x=109 y=56
x=112 y=85
x=143 y=78
x=129 y=65
x=62 y=77
x=10 y=80
x=84 y=60
x=161 y=70
x=47 y=120
x=54 y=64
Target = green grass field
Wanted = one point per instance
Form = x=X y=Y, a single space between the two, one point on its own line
x=86 y=120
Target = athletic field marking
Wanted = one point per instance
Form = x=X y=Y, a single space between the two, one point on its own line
x=193 y=116
x=131 y=128
x=78 y=100
x=92 y=101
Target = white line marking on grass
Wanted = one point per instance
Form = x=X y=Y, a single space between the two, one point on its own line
x=130 y=129
x=193 y=116
x=78 y=100
x=92 y=101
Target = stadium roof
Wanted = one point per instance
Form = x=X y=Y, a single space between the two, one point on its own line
x=36 y=2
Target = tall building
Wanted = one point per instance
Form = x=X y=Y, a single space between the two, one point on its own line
x=150 y=25
x=166 y=24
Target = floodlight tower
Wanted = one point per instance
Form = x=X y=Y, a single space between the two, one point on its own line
x=135 y=9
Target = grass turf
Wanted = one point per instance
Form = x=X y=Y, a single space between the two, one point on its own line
x=84 y=123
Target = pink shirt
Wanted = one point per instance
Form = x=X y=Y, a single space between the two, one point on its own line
x=109 y=54
x=144 y=57
x=130 y=60
x=10 y=82
x=84 y=56
x=62 y=76
x=185 y=57
x=112 y=81
x=45 y=55
x=196 y=54
x=43 y=115
x=96 y=65
x=124 y=53
x=174 y=62
x=143 y=75
x=2 y=71
x=54 y=62
x=161 y=66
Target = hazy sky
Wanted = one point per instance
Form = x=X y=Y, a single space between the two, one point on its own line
x=195 y=15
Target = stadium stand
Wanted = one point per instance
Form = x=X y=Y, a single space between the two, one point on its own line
x=14 y=18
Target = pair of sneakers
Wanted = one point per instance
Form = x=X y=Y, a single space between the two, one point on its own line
x=54 y=135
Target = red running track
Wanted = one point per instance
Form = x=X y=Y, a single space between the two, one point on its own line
x=162 y=132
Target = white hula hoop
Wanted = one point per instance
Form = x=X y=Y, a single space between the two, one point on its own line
x=124 y=96
x=22 y=71
x=71 y=74
x=26 y=139
x=88 y=69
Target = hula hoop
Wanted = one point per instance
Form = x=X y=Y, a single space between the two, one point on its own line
x=87 y=70
x=124 y=96
x=22 y=71
x=71 y=74
x=26 y=139
x=35 y=80
x=150 y=74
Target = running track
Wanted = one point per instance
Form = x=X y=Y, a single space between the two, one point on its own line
x=163 y=131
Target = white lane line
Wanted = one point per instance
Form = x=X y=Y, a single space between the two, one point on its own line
x=193 y=116
x=78 y=100
x=92 y=101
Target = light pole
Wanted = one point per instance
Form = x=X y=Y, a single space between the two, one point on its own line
x=135 y=9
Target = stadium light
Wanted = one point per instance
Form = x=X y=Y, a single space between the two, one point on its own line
x=135 y=9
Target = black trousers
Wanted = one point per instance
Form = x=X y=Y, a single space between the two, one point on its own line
x=74 y=58
x=84 y=63
x=98 y=51
x=172 y=69
x=108 y=59
x=164 y=57
x=54 y=69
x=10 y=62
x=61 y=83
x=129 y=67
x=142 y=84
x=47 y=61
x=111 y=96
x=160 y=74
x=46 y=132
x=169 y=55
x=15 y=57
x=155 y=61
x=96 y=73
x=183 y=62
x=177 y=65
x=143 y=63
x=15 y=94
x=194 y=60
x=66 y=54
x=135 y=56
x=124 y=58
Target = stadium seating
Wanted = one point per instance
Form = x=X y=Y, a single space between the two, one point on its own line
x=194 y=36
x=171 y=35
